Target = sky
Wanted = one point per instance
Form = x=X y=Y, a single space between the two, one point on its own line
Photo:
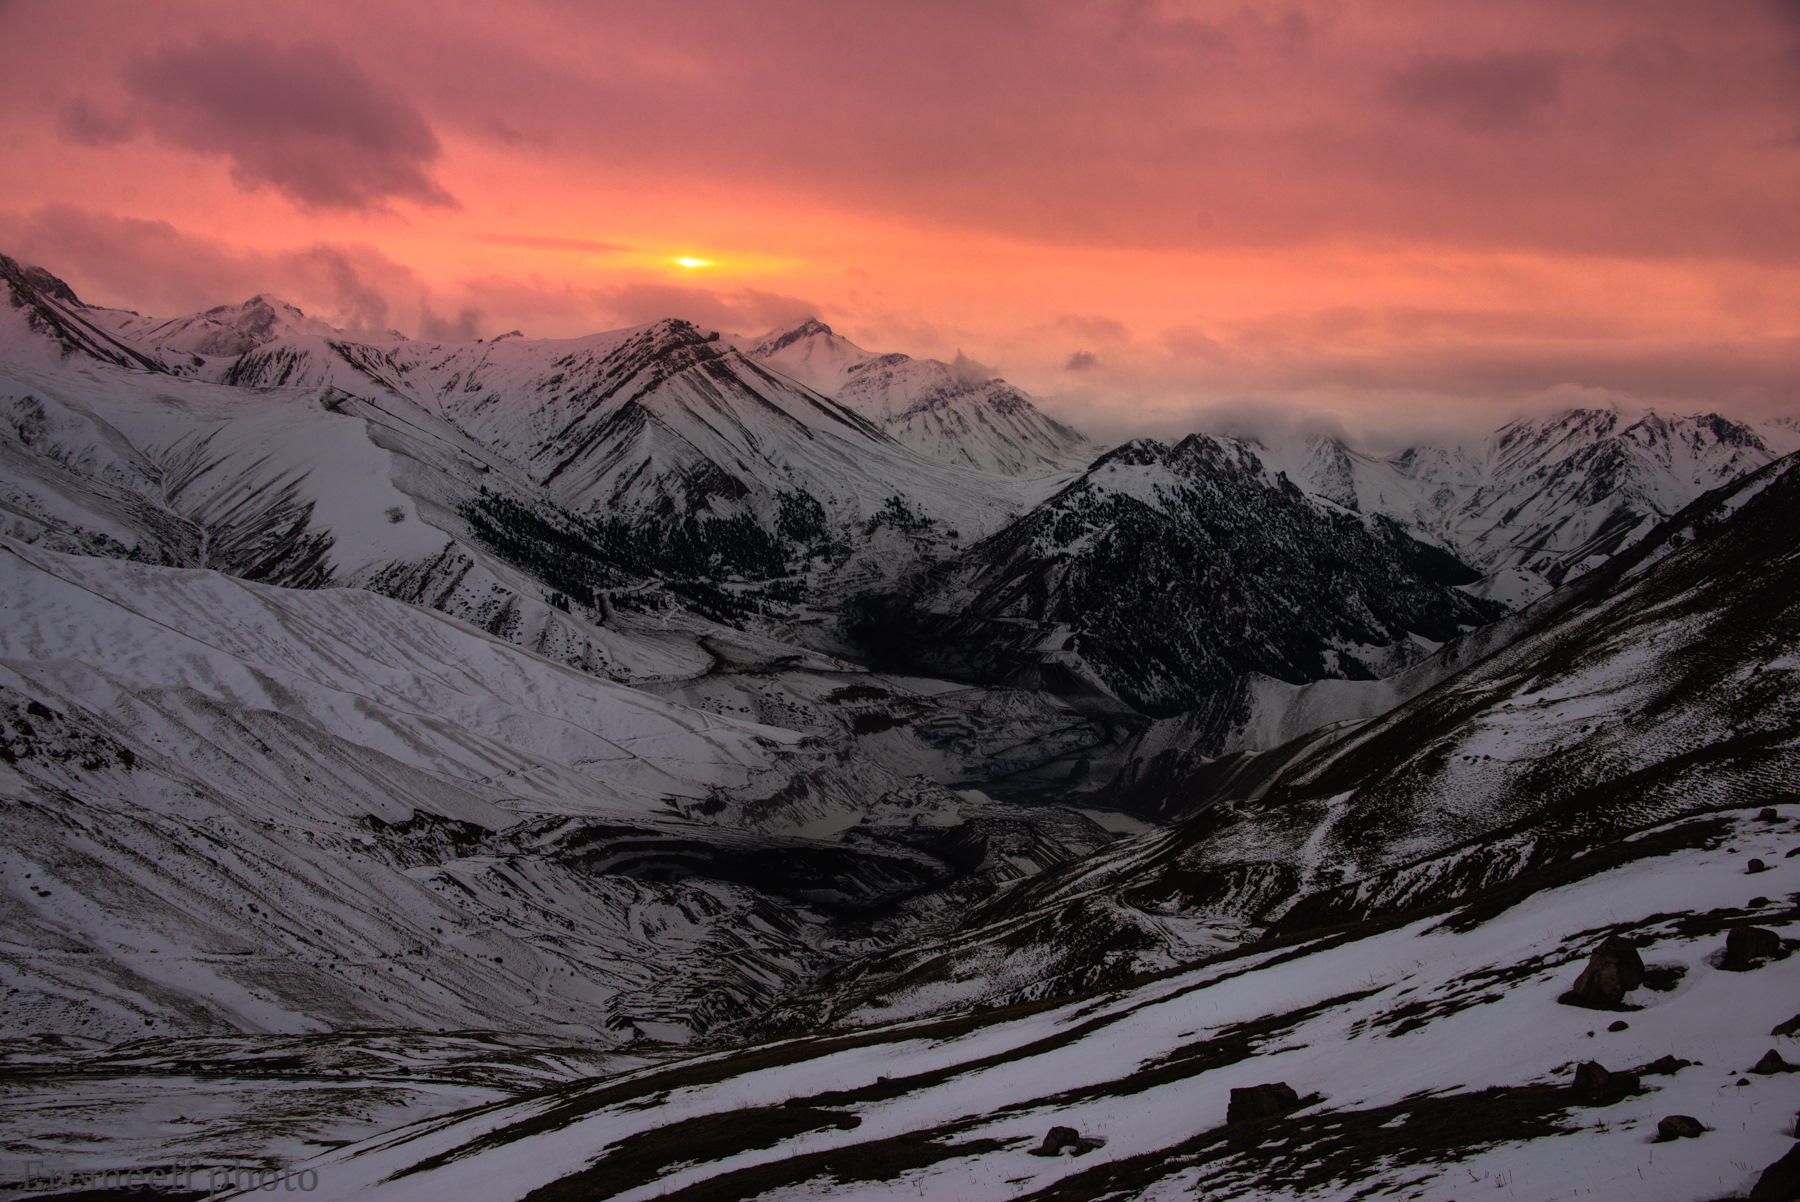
x=1153 y=214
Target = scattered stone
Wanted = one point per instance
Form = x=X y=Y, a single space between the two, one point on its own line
x=1594 y=1083
x=1620 y=1025
x=1772 y=1063
x=1613 y=970
x=1790 y=1027
x=1747 y=947
x=1781 y=1180
x=1261 y=1102
x=1756 y=866
x=1060 y=1138
x=1769 y=814
x=1666 y=1066
x=1678 y=1126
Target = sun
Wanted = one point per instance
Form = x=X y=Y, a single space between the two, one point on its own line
x=685 y=262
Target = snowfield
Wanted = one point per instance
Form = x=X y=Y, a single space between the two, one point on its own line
x=1432 y=1056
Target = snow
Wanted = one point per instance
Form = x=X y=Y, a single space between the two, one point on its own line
x=1490 y=1017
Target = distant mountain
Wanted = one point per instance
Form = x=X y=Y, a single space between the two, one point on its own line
x=1162 y=575
x=951 y=412
x=1541 y=500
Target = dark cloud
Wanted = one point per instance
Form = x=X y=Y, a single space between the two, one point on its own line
x=1081 y=361
x=80 y=122
x=302 y=119
x=1499 y=90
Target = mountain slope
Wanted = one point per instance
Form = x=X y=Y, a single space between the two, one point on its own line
x=1163 y=574
x=1541 y=500
x=949 y=412
x=1426 y=1058
x=1660 y=687
x=236 y=808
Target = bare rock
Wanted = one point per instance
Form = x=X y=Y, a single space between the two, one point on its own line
x=1780 y=1182
x=1678 y=1126
x=1594 y=1083
x=1613 y=970
x=1261 y=1102
x=1747 y=947
x=1060 y=1139
x=1772 y=1063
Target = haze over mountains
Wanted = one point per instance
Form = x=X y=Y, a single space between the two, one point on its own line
x=640 y=691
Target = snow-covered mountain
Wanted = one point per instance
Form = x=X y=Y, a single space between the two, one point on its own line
x=1162 y=575
x=396 y=730
x=1540 y=500
x=952 y=412
x=1422 y=898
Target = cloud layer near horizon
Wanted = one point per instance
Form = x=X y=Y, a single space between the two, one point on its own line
x=1145 y=206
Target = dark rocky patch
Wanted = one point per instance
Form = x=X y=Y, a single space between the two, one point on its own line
x=1780 y=1182
x=1747 y=947
x=1594 y=1085
x=1060 y=1138
x=1614 y=969
x=1261 y=1102
x=1771 y=1064
x=1678 y=1126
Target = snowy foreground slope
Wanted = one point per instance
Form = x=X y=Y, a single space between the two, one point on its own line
x=1430 y=1054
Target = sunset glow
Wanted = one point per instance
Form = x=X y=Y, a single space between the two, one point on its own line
x=1388 y=213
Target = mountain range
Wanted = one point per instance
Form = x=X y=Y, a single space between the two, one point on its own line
x=500 y=729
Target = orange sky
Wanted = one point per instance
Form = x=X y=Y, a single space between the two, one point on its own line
x=1148 y=212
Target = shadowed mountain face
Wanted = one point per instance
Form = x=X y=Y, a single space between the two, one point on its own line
x=1162 y=575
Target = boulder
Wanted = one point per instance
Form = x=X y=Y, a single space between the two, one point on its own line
x=1769 y=814
x=1593 y=1083
x=1261 y=1102
x=1678 y=1126
x=1613 y=970
x=1748 y=947
x=1060 y=1138
x=1780 y=1182
x=1772 y=1063
x=1756 y=866
x=1619 y=1025
x=1786 y=1028
x=1664 y=1066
